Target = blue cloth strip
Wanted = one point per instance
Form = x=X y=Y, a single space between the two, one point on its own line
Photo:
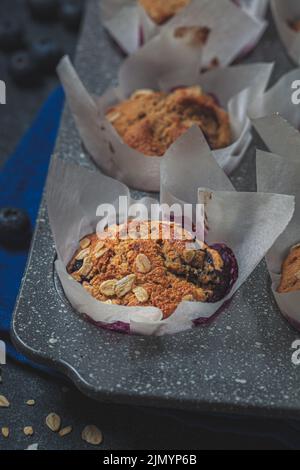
x=22 y=181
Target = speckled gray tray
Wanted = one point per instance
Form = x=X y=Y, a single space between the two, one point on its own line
x=240 y=364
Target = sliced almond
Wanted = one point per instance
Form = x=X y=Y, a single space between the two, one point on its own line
x=28 y=431
x=84 y=243
x=144 y=92
x=30 y=402
x=124 y=285
x=141 y=294
x=5 y=432
x=113 y=116
x=101 y=252
x=65 y=431
x=92 y=435
x=4 y=403
x=188 y=298
x=298 y=275
x=108 y=288
x=143 y=264
x=83 y=254
x=86 y=267
x=53 y=422
x=188 y=256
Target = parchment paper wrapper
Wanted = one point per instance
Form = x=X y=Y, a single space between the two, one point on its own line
x=234 y=87
x=248 y=223
x=284 y=12
x=233 y=29
x=278 y=99
x=283 y=178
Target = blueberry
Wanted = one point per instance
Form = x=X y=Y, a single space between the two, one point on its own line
x=11 y=34
x=15 y=228
x=46 y=52
x=70 y=13
x=23 y=70
x=43 y=10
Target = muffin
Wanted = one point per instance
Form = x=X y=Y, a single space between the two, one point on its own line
x=151 y=121
x=151 y=268
x=290 y=274
x=295 y=25
x=160 y=11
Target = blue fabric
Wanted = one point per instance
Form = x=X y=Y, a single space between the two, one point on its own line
x=22 y=180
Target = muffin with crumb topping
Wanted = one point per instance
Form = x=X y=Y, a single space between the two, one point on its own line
x=150 y=121
x=160 y=266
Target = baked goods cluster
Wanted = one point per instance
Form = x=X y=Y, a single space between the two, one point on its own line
x=150 y=121
x=160 y=266
x=290 y=275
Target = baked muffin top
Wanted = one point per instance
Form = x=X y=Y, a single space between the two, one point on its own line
x=151 y=121
x=160 y=11
x=152 y=270
x=290 y=274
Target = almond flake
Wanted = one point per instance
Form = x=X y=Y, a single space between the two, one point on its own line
x=53 y=422
x=101 y=252
x=82 y=254
x=113 y=116
x=86 y=267
x=4 y=403
x=65 y=431
x=92 y=435
x=85 y=242
x=30 y=402
x=108 y=288
x=143 y=264
x=5 y=432
x=188 y=256
x=141 y=294
x=28 y=431
x=144 y=92
x=125 y=285
x=298 y=275
x=188 y=298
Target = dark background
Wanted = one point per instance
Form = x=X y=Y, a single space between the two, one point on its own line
x=122 y=427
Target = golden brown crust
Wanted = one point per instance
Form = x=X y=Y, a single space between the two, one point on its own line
x=160 y=11
x=151 y=121
x=148 y=272
x=295 y=25
x=290 y=275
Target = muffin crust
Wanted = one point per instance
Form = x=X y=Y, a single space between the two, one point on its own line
x=290 y=276
x=151 y=271
x=151 y=121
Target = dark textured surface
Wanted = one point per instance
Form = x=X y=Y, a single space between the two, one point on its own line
x=124 y=427
x=233 y=366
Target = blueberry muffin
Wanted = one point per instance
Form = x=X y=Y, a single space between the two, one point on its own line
x=160 y=11
x=290 y=274
x=155 y=267
x=151 y=121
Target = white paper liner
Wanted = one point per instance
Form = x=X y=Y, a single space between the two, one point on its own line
x=283 y=178
x=283 y=12
x=278 y=99
x=248 y=222
x=233 y=29
x=234 y=87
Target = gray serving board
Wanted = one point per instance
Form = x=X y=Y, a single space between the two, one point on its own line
x=240 y=364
